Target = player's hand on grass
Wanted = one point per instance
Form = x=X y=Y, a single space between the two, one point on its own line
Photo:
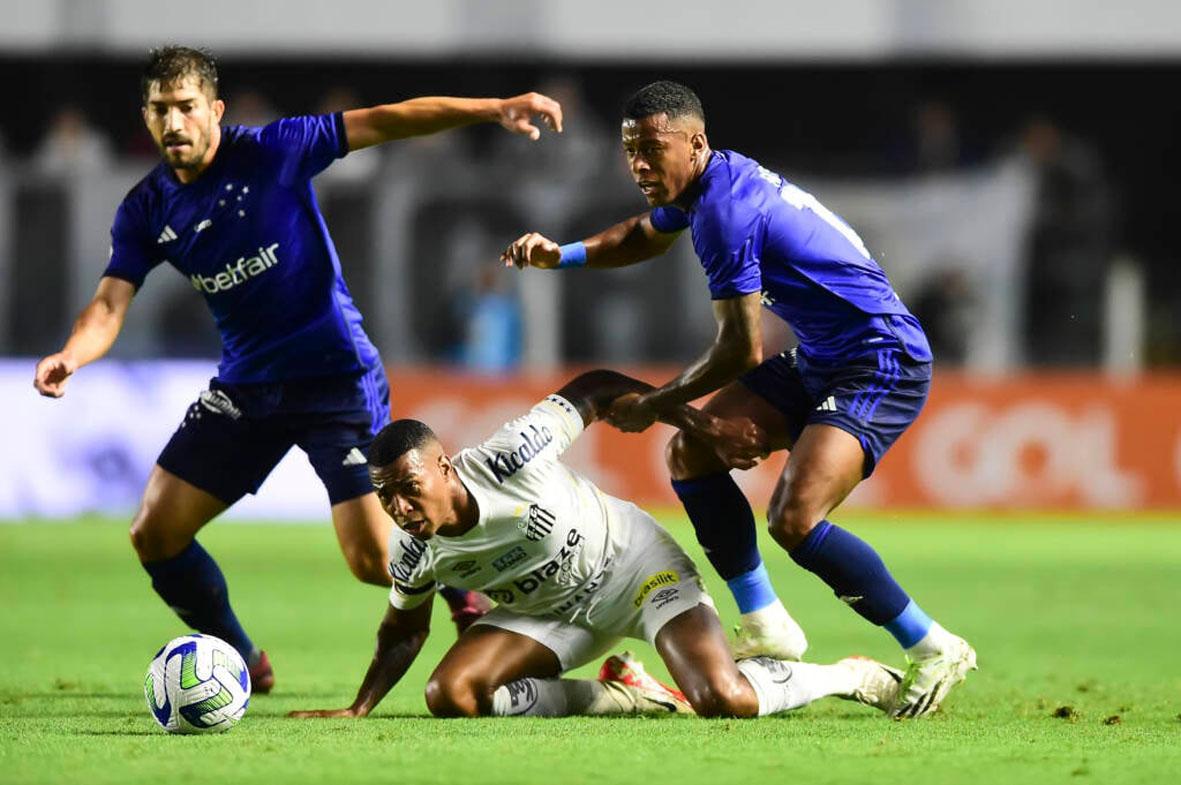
x=324 y=713
x=631 y=413
x=517 y=113
x=739 y=443
x=532 y=250
x=52 y=374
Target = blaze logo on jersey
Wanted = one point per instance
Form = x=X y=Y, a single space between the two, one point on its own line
x=506 y=464
x=539 y=523
x=237 y=273
x=527 y=584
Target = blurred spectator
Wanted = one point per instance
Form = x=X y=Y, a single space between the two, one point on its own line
x=249 y=107
x=483 y=303
x=492 y=329
x=934 y=141
x=71 y=145
x=1068 y=247
x=945 y=304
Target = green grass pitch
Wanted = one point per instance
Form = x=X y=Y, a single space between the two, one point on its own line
x=1077 y=613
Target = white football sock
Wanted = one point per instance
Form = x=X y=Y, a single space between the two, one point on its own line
x=564 y=698
x=932 y=644
x=782 y=686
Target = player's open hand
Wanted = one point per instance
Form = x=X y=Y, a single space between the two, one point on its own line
x=532 y=250
x=324 y=714
x=517 y=113
x=739 y=443
x=52 y=374
x=630 y=413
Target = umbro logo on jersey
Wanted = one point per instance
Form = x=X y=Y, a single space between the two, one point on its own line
x=166 y=236
x=354 y=458
x=829 y=404
x=539 y=523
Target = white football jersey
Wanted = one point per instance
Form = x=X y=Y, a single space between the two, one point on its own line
x=544 y=537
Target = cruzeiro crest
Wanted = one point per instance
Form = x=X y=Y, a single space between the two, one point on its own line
x=538 y=523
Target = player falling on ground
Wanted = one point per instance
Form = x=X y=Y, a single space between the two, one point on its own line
x=573 y=571
x=233 y=209
x=857 y=379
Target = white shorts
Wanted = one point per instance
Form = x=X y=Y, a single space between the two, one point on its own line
x=649 y=581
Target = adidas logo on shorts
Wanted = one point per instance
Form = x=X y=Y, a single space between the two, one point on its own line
x=354 y=458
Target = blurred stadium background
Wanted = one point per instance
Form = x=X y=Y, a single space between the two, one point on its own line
x=1011 y=163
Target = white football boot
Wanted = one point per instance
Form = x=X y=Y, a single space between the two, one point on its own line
x=929 y=679
x=877 y=684
x=769 y=632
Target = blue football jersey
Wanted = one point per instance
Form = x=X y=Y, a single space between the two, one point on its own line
x=755 y=232
x=249 y=236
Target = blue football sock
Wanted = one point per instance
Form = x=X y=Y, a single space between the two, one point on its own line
x=193 y=586
x=752 y=590
x=725 y=527
x=856 y=574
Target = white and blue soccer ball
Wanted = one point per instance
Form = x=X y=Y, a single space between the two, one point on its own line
x=197 y=684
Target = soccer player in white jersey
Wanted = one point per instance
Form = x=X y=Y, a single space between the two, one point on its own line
x=573 y=570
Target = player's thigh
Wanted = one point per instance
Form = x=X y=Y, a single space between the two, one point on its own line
x=363 y=531
x=770 y=395
x=486 y=657
x=170 y=514
x=694 y=648
x=826 y=464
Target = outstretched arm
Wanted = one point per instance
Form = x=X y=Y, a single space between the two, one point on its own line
x=627 y=242
x=421 y=116
x=399 y=639
x=95 y=330
x=737 y=347
x=738 y=442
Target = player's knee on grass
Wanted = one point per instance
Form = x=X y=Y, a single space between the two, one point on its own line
x=688 y=458
x=722 y=695
x=457 y=696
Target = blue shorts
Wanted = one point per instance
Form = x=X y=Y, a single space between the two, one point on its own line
x=235 y=434
x=873 y=398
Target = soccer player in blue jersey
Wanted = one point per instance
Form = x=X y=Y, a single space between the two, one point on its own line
x=233 y=209
x=837 y=401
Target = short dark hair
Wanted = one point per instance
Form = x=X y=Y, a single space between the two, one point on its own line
x=397 y=439
x=671 y=98
x=172 y=63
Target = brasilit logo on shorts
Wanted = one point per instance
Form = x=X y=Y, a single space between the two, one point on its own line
x=655 y=581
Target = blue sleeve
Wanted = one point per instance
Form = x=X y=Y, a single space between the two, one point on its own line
x=305 y=146
x=668 y=219
x=730 y=249
x=133 y=249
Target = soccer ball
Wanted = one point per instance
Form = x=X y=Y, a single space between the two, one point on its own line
x=197 y=684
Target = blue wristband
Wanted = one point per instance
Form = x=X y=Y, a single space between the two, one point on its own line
x=573 y=255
